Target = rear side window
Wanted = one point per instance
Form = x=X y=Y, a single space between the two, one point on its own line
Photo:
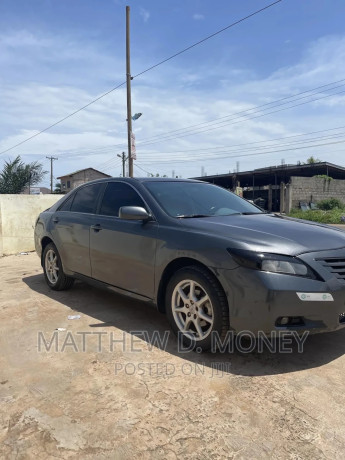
x=85 y=199
x=116 y=195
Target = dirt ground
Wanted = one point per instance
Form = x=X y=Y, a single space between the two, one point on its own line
x=129 y=399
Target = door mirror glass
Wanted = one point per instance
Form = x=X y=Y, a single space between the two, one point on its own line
x=133 y=213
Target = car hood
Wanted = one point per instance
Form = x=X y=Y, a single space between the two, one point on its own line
x=269 y=233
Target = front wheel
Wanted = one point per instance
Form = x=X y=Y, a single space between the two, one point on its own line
x=53 y=271
x=197 y=308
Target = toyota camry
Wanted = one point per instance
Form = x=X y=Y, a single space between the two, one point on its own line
x=208 y=259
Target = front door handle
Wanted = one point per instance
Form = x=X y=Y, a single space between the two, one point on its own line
x=96 y=227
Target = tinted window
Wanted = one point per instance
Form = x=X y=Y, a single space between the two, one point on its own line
x=66 y=205
x=116 y=195
x=187 y=199
x=86 y=199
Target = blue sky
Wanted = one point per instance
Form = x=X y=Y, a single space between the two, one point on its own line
x=56 y=56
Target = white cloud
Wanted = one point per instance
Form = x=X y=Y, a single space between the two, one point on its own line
x=198 y=16
x=23 y=38
x=145 y=14
x=170 y=100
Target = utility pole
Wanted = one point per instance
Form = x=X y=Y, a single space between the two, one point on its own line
x=51 y=172
x=30 y=183
x=124 y=158
x=129 y=98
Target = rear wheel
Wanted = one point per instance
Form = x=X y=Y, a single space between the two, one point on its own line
x=53 y=271
x=197 y=308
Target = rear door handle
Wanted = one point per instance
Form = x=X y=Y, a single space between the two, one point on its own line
x=55 y=220
x=96 y=227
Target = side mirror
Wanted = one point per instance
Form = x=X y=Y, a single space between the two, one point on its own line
x=134 y=213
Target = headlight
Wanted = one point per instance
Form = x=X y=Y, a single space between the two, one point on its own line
x=274 y=263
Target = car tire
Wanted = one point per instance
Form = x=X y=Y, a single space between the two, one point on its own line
x=197 y=308
x=53 y=270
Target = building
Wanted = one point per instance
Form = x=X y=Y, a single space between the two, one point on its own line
x=283 y=187
x=73 y=180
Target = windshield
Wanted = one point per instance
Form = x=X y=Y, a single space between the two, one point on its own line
x=196 y=199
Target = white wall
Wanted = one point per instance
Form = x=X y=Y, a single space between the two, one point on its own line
x=18 y=214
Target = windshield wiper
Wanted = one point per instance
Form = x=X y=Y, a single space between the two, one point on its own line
x=192 y=216
x=250 y=213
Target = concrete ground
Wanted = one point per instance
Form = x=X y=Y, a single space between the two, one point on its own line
x=108 y=401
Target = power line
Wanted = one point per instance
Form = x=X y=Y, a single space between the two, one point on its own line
x=63 y=119
x=136 y=164
x=288 y=156
x=166 y=136
x=220 y=155
x=111 y=148
x=142 y=72
x=247 y=154
x=258 y=145
x=207 y=38
x=252 y=108
x=222 y=124
x=200 y=153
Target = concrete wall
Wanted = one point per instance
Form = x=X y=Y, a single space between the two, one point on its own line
x=18 y=214
x=315 y=189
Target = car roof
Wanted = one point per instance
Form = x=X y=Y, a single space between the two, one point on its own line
x=163 y=179
x=144 y=179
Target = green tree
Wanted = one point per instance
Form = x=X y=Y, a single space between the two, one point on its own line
x=311 y=160
x=16 y=175
x=57 y=188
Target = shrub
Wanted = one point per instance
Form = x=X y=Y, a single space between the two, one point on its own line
x=330 y=203
x=324 y=176
x=325 y=217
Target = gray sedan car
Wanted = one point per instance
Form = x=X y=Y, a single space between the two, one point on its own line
x=208 y=259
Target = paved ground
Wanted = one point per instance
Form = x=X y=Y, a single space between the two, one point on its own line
x=72 y=404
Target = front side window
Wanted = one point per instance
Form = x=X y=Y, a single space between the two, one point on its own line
x=118 y=194
x=85 y=199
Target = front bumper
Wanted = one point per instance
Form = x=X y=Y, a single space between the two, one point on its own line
x=258 y=300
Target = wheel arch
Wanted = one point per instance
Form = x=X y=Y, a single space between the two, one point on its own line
x=45 y=241
x=169 y=271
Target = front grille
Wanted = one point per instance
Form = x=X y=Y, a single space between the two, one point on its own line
x=335 y=266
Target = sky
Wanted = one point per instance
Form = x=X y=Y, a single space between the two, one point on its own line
x=268 y=90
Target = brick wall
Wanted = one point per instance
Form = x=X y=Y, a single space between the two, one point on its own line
x=315 y=189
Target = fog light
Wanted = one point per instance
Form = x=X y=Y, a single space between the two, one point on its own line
x=284 y=320
x=290 y=321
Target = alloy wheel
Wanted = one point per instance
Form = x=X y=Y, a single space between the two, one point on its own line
x=192 y=309
x=51 y=266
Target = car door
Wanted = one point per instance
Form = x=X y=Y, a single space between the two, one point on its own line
x=123 y=251
x=70 y=228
